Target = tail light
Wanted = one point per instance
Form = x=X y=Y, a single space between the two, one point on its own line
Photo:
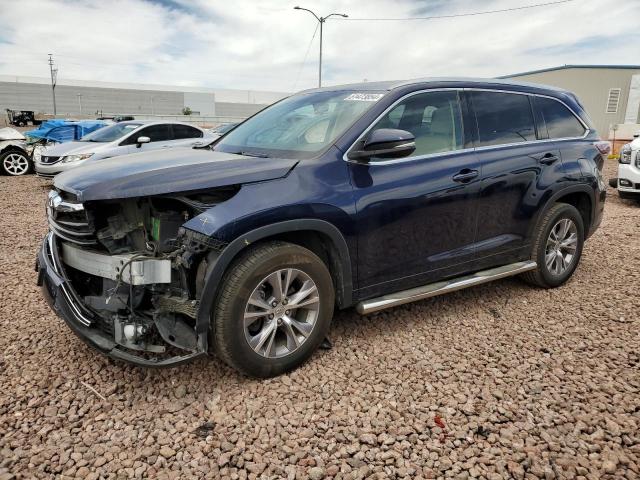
x=603 y=147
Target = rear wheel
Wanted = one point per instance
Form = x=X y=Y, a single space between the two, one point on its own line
x=557 y=246
x=274 y=309
x=15 y=163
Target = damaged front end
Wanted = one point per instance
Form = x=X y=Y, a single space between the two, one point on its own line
x=127 y=276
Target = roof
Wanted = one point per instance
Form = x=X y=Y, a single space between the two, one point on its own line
x=458 y=81
x=566 y=67
x=221 y=94
x=153 y=122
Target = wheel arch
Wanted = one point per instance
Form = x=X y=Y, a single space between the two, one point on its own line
x=581 y=197
x=319 y=236
x=14 y=148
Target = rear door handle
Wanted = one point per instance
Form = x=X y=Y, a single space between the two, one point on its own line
x=465 y=175
x=548 y=159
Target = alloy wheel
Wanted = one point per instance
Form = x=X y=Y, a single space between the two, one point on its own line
x=16 y=164
x=561 y=246
x=281 y=313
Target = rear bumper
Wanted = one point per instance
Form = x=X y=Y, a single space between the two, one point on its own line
x=63 y=300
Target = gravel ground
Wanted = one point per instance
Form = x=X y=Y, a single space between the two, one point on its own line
x=499 y=381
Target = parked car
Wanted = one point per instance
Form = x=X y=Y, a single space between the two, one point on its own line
x=56 y=131
x=118 y=139
x=628 y=179
x=14 y=157
x=22 y=118
x=220 y=130
x=369 y=195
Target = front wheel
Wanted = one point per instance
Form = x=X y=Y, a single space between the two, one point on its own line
x=274 y=309
x=15 y=163
x=557 y=246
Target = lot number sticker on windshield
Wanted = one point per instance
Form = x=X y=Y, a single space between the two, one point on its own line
x=365 y=97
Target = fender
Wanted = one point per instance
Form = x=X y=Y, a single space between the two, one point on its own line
x=581 y=188
x=214 y=276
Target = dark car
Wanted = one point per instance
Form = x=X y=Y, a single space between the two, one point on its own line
x=369 y=195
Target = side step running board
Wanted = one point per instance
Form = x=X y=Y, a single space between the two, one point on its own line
x=440 y=288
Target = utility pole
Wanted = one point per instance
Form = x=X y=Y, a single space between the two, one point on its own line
x=54 y=78
x=321 y=20
x=79 y=95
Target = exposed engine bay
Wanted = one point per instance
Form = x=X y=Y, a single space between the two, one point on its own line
x=133 y=266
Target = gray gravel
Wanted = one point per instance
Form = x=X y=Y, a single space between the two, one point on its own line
x=500 y=381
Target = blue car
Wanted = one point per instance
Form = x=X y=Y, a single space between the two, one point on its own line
x=368 y=196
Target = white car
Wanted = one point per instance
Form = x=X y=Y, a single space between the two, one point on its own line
x=114 y=140
x=628 y=181
x=14 y=153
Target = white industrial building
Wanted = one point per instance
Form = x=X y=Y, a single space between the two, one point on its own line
x=81 y=98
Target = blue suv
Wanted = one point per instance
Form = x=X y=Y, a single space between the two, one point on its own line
x=369 y=195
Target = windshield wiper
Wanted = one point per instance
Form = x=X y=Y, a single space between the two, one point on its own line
x=251 y=154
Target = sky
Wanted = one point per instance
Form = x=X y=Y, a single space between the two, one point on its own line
x=267 y=45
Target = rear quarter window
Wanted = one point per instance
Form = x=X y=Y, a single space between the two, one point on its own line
x=560 y=121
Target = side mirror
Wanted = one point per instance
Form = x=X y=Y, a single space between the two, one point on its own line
x=142 y=140
x=385 y=143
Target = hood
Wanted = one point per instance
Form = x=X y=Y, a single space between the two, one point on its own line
x=70 y=148
x=162 y=172
x=9 y=133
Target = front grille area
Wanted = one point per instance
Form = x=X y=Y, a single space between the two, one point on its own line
x=69 y=220
x=49 y=160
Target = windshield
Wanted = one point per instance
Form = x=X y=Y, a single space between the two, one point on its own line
x=299 y=126
x=110 y=133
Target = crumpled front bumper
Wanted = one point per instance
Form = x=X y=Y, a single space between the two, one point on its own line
x=63 y=300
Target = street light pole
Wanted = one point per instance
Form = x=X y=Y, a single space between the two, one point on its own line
x=54 y=81
x=321 y=20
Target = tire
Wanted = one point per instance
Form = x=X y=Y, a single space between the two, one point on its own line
x=551 y=277
x=252 y=276
x=15 y=163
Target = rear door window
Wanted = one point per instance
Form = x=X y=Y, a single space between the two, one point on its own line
x=503 y=118
x=560 y=122
x=185 y=131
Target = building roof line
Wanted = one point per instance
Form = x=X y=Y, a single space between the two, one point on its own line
x=126 y=85
x=564 y=67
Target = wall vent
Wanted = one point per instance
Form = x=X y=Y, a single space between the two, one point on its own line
x=613 y=100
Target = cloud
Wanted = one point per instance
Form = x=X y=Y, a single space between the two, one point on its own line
x=261 y=45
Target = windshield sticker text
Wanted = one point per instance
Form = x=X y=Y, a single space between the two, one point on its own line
x=365 y=97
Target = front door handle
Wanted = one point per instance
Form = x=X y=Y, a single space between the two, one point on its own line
x=548 y=159
x=465 y=175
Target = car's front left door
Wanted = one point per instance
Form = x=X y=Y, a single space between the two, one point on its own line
x=416 y=216
x=159 y=134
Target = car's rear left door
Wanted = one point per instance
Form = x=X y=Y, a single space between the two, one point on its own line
x=516 y=171
x=185 y=135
